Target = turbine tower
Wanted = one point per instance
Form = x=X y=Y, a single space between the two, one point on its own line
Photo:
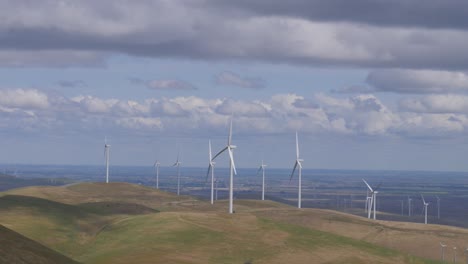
x=296 y=164
x=438 y=207
x=232 y=167
x=262 y=168
x=211 y=168
x=177 y=163
x=106 y=154
x=156 y=167
x=425 y=209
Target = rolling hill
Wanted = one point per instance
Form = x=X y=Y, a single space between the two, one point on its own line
x=19 y=249
x=124 y=223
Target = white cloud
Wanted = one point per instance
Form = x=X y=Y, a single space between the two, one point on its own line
x=363 y=114
x=23 y=98
x=448 y=103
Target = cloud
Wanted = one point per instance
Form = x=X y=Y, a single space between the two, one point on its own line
x=72 y=84
x=23 y=98
x=232 y=79
x=315 y=33
x=418 y=81
x=444 y=14
x=169 y=85
x=448 y=103
x=32 y=111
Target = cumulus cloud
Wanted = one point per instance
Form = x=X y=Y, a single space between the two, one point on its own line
x=448 y=103
x=87 y=32
x=169 y=85
x=23 y=98
x=364 y=114
x=232 y=79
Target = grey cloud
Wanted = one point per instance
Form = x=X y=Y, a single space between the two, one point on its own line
x=419 y=13
x=417 y=81
x=72 y=84
x=87 y=32
x=233 y=79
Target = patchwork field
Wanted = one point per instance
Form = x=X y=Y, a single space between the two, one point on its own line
x=126 y=223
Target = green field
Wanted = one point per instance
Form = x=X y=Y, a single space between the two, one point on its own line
x=124 y=223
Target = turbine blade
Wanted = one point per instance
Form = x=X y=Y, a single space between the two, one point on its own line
x=219 y=153
x=208 y=172
x=292 y=173
x=259 y=169
x=232 y=160
x=422 y=197
x=368 y=186
x=300 y=164
x=230 y=133
x=297 y=147
x=209 y=148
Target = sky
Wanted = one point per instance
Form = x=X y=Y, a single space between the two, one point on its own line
x=367 y=84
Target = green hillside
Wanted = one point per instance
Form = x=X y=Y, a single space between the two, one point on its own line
x=18 y=249
x=124 y=223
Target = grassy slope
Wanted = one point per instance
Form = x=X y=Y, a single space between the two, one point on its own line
x=18 y=249
x=118 y=223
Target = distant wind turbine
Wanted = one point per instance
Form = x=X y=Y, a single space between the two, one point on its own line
x=211 y=168
x=373 y=200
x=409 y=206
x=156 y=167
x=232 y=167
x=425 y=209
x=438 y=207
x=262 y=168
x=442 y=251
x=106 y=154
x=177 y=164
x=298 y=164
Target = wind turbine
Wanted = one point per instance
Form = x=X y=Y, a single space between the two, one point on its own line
x=106 y=154
x=409 y=206
x=442 y=250
x=296 y=164
x=425 y=209
x=177 y=163
x=373 y=200
x=211 y=168
x=438 y=207
x=262 y=168
x=232 y=167
x=156 y=167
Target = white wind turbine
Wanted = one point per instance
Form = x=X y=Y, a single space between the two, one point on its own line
x=262 y=168
x=106 y=154
x=409 y=206
x=177 y=163
x=156 y=167
x=296 y=164
x=425 y=209
x=373 y=200
x=211 y=168
x=232 y=167
x=438 y=207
